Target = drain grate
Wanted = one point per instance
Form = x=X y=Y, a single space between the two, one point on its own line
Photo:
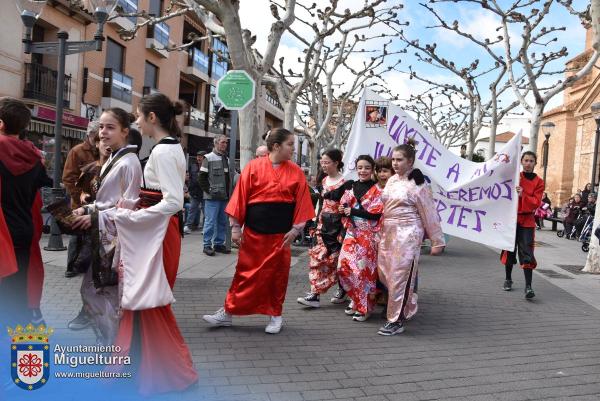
x=575 y=269
x=553 y=274
x=298 y=251
x=543 y=244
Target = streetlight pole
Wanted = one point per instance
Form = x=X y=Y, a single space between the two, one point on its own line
x=30 y=12
x=596 y=114
x=300 y=141
x=547 y=128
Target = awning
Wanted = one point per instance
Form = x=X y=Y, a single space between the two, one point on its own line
x=47 y=129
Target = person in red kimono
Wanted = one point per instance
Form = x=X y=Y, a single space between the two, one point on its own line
x=272 y=203
x=22 y=174
x=530 y=191
x=357 y=266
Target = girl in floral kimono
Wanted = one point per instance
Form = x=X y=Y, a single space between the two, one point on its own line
x=324 y=254
x=119 y=178
x=408 y=213
x=357 y=268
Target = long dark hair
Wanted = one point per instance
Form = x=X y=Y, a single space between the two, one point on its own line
x=366 y=158
x=336 y=156
x=164 y=109
x=276 y=135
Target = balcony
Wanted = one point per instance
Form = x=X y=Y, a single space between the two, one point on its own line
x=158 y=39
x=126 y=7
x=273 y=106
x=197 y=65
x=40 y=84
x=117 y=90
x=149 y=90
x=194 y=123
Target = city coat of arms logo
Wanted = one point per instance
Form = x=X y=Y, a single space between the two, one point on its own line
x=30 y=355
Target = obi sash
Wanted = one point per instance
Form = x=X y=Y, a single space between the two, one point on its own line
x=270 y=217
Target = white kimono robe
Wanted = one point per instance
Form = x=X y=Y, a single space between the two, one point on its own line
x=141 y=232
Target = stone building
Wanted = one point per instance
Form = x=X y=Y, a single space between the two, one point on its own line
x=571 y=144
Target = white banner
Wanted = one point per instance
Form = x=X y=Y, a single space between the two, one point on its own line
x=475 y=201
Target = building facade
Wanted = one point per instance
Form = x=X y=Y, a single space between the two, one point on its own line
x=571 y=144
x=123 y=72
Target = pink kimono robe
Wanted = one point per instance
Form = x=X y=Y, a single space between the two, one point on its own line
x=408 y=213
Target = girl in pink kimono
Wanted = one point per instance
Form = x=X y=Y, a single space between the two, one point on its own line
x=408 y=214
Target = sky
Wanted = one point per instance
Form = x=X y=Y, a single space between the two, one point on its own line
x=255 y=15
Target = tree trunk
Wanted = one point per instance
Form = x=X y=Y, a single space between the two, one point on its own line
x=289 y=115
x=536 y=119
x=248 y=132
x=314 y=161
x=592 y=264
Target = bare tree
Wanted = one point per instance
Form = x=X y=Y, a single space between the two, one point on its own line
x=443 y=114
x=534 y=57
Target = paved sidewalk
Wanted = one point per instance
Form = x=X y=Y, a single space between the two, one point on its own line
x=469 y=341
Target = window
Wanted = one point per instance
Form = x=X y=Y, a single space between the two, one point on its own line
x=155 y=8
x=114 y=55
x=151 y=76
x=216 y=124
x=219 y=63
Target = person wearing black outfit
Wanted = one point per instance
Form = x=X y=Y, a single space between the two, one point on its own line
x=22 y=174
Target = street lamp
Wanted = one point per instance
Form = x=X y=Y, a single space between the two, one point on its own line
x=30 y=11
x=300 y=141
x=547 y=128
x=596 y=115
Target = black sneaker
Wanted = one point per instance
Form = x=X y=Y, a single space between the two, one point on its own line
x=70 y=274
x=529 y=292
x=311 y=300
x=222 y=249
x=391 y=328
x=339 y=297
x=507 y=285
x=81 y=322
x=209 y=251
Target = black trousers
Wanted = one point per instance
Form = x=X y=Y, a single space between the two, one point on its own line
x=14 y=308
x=524 y=245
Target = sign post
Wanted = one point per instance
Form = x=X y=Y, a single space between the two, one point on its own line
x=235 y=91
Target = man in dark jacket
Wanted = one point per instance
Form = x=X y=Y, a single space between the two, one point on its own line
x=192 y=221
x=216 y=184
x=79 y=156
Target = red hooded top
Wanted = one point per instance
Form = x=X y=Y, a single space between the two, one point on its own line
x=530 y=199
x=18 y=157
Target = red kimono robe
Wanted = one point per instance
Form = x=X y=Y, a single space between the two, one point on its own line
x=260 y=281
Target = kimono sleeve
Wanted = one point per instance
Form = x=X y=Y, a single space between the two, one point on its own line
x=373 y=204
x=304 y=210
x=429 y=216
x=236 y=207
x=347 y=198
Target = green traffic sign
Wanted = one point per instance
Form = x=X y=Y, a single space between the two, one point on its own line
x=236 y=90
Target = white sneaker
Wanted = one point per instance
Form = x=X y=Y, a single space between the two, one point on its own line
x=187 y=230
x=274 y=325
x=350 y=311
x=219 y=318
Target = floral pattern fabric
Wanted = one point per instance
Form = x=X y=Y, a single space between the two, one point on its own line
x=408 y=214
x=323 y=264
x=357 y=268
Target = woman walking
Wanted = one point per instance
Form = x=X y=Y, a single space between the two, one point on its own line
x=150 y=239
x=357 y=268
x=271 y=201
x=408 y=214
x=324 y=254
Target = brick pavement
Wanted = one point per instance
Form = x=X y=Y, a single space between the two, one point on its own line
x=469 y=341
